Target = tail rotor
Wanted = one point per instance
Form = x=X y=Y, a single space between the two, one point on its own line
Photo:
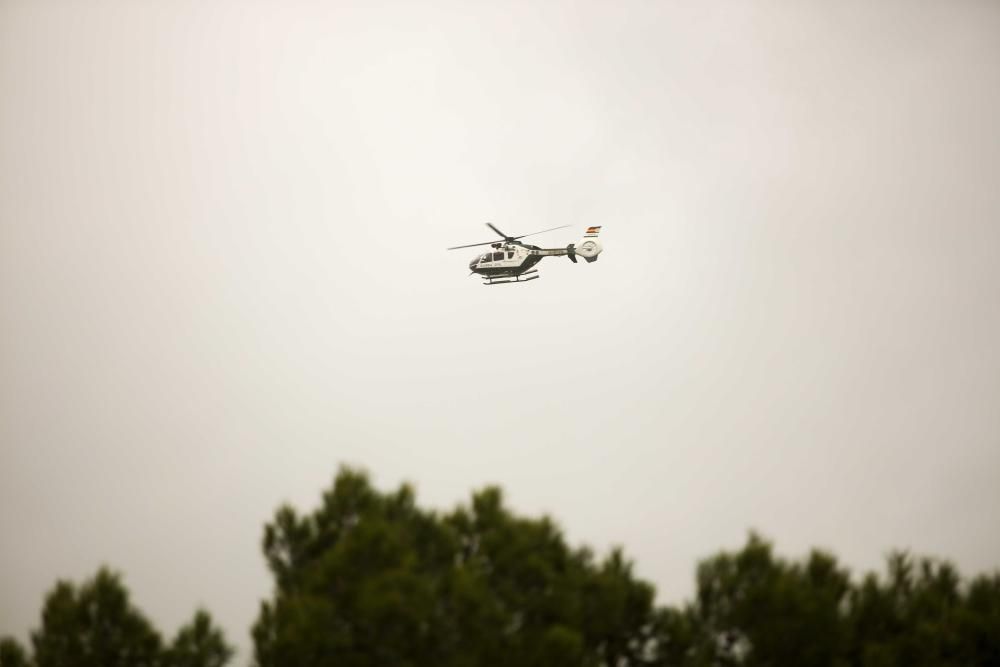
x=588 y=247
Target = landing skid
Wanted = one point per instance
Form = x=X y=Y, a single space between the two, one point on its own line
x=503 y=280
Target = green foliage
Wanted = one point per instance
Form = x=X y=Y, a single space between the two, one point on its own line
x=12 y=654
x=198 y=644
x=94 y=626
x=755 y=609
x=370 y=579
x=919 y=616
x=978 y=622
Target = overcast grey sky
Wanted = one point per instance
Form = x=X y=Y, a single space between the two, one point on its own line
x=222 y=274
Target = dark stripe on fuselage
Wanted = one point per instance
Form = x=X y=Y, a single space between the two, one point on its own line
x=499 y=271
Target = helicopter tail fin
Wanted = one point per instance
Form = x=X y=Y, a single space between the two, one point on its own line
x=589 y=247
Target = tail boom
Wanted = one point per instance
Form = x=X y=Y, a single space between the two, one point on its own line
x=588 y=248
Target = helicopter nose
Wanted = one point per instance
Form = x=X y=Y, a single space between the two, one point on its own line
x=472 y=264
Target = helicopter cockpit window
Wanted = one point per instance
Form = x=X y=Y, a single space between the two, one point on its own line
x=485 y=258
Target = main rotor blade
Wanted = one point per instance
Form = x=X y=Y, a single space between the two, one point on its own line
x=542 y=232
x=505 y=237
x=490 y=225
x=472 y=245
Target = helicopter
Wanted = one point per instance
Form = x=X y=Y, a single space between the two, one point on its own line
x=511 y=261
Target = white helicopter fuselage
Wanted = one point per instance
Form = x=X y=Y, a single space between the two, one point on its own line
x=504 y=260
x=512 y=261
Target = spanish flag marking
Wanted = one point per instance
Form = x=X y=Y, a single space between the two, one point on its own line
x=593 y=230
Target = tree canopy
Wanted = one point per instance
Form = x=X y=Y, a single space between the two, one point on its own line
x=96 y=625
x=369 y=578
